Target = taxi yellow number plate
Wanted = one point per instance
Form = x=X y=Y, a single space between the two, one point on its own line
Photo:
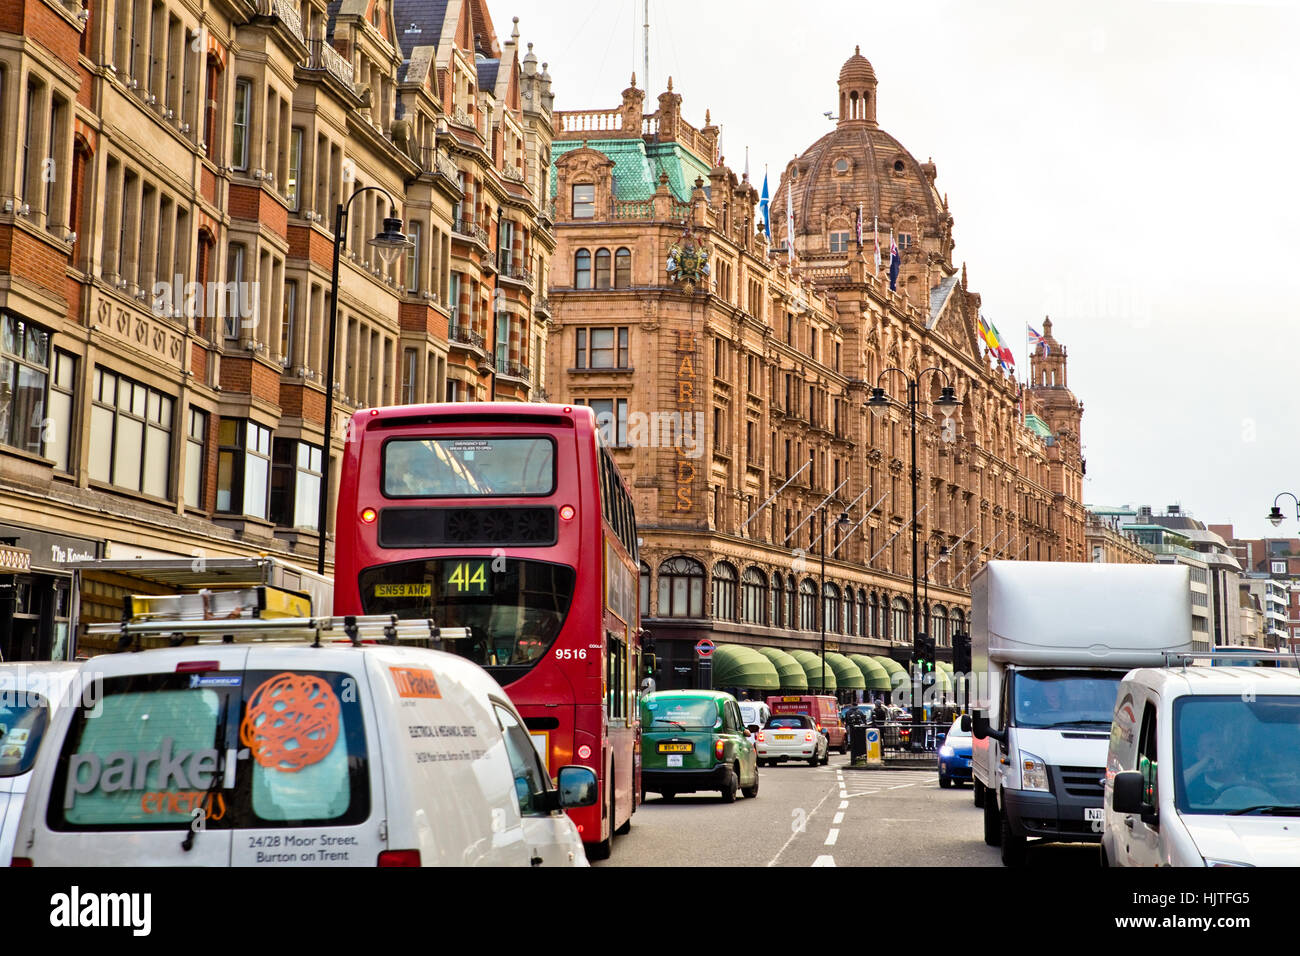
x=791 y=700
x=418 y=589
x=676 y=748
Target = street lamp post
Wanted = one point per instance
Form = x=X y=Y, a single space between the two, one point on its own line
x=1275 y=518
x=842 y=523
x=389 y=243
x=879 y=403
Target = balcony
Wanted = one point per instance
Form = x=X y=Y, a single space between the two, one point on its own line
x=542 y=307
x=546 y=216
x=516 y=273
x=433 y=160
x=464 y=335
x=466 y=229
x=512 y=175
x=516 y=370
x=283 y=11
x=323 y=58
x=461 y=118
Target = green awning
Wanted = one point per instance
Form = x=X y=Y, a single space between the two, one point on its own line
x=847 y=674
x=943 y=666
x=873 y=672
x=738 y=666
x=943 y=679
x=812 y=667
x=789 y=671
x=890 y=665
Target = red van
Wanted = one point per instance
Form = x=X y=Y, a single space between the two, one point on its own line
x=821 y=708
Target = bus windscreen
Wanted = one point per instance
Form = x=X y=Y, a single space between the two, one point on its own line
x=513 y=608
x=468 y=467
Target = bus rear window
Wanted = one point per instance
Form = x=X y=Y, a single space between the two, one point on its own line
x=468 y=467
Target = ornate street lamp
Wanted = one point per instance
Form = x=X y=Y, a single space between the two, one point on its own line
x=1275 y=516
x=843 y=523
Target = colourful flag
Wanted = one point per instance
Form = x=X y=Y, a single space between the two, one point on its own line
x=859 y=227
x=876 y=228
x=763 y=204
x=1038 y=341
x=894 y=262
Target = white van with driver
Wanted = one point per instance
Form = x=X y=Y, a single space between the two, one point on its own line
x=293 y=754
x=1204 y=768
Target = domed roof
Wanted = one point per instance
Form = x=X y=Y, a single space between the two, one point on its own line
x=857 y=68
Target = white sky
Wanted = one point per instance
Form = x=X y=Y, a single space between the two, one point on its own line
x=1126 y=166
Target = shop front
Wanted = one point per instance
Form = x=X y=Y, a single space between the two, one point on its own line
x=36 y=597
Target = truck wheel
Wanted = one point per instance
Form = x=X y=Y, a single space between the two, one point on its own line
x=1013 y=846
x=992 y=825
x=979 y=794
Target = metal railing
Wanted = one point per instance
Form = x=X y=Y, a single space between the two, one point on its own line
x=323 y=57
x=517 y=370
x=465 y=336
x=285 y=12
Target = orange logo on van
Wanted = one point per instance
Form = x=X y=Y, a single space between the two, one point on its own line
x=415 y=682
x=292 y=722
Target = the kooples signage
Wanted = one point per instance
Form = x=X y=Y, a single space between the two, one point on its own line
x=52 y=552
x=141 y=331
x=684 y=477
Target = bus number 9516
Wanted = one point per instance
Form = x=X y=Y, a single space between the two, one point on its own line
x=564 y=654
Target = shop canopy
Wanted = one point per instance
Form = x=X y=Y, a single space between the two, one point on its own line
x=873 y=672
x=847 y=674
x=738 y=666
x=812 y=667
x=890 y=665
x=789 y=671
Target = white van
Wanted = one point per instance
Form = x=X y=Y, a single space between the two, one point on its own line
x=1204 y=768
x=289 y=754
x=754 y=714
x=30 y=692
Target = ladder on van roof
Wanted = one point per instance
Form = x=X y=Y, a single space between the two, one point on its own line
x=261 y=614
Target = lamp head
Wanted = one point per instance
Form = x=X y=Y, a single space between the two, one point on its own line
x=948 y=402
x=1275 y=516
x=392 y=242
x=878 y=402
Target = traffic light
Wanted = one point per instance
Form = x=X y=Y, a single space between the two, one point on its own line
x=925 y=653
x=961 y=661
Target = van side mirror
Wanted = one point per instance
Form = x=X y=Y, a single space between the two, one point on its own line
x=577 y=786
x=1129 y=795
x=965 y=723
x=981 y=728
x=752 y=729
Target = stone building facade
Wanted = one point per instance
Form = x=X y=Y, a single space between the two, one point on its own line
x=169 y=177
x=765 y=365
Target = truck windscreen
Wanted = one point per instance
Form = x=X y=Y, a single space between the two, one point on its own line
x=1065 y=698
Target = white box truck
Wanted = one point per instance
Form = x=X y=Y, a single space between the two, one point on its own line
x=1050 y=643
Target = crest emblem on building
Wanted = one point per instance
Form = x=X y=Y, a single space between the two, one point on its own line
x=688 y=260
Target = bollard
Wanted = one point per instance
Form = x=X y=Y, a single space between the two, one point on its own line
x=870 y=753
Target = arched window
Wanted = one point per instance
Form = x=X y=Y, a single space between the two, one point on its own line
x=681 y=588
x=862 y=613
x=939 y=625
x=850 y=613
x=790 y=619
x=900 y=623
x=623 y=269
x=807 y=605
x=582 y=269
x=602 y=268
x=957 y=619
x=753 y=597
x=645 y=589
x=724 y=592
x=831 y=607
x=877 y=625
x=778 y=600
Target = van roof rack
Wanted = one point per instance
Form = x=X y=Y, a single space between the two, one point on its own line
x=355 y=628
x=1245 y=656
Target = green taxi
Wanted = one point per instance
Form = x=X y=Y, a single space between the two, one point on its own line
x=695 y=740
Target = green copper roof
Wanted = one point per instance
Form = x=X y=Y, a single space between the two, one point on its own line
x=637 y=166
x=1037 y=426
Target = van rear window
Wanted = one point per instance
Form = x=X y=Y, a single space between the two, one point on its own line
x=23 y=717
x=243 y=750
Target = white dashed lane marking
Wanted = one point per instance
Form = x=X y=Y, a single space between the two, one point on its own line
x=832 y=836
x=839 y=818
x=826 y=860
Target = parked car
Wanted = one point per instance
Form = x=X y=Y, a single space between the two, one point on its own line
x=30 y=694
x=791 y=737
x=1203 y=768
x=954 y=756
x=695 y=740
x=822 y=709
x=288 y=754
x=754 y=713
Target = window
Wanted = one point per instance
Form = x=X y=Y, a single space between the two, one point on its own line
x=831 y=606
x=295 y=168
x=841 y=165
x=243 y=467
x=778 y=600
x=850 y=613
x=900 y=624
x=505 y=245
x=645 y=590
x=295 y=484
x=839 y=242
x=724 y=592
x=287 y=322
x=753 y=592
x=239 y=125
x=234 y=290
x=904 y=240
x=602 y=268
x=584 y=202
x=623 y=269
x=130 y=434
x=413 y=258
x=681 y=588
x=807 y=606
x=530 y=779
x=503 y=341
x=602 y=348
x=582 y=269
x=24 y=373
x=611 y=419
x=195 y=437
x=453 y=297
x=409 y=381
x=58 y=429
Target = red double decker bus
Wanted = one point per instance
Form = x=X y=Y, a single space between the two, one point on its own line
x=512 y=520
